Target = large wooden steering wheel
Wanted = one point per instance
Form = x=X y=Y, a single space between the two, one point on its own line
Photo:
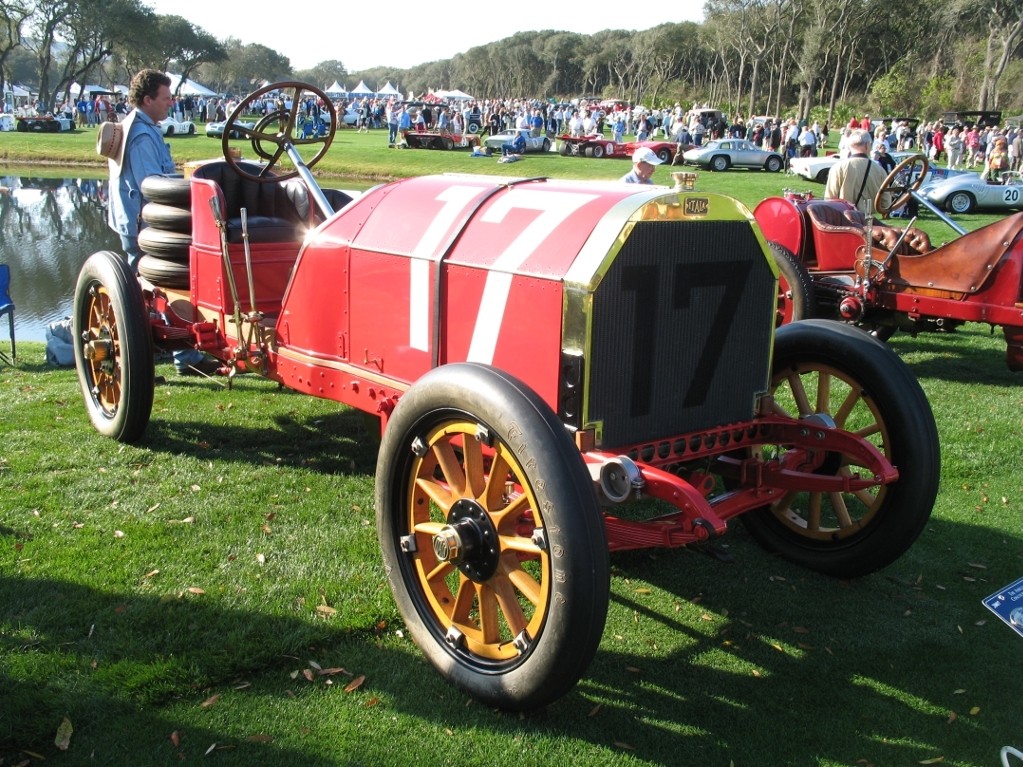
x=904 y=179
x=278 y=131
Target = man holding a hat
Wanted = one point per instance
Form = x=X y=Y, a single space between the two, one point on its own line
x=135 y=149
x=644 y=160
x=137 y=152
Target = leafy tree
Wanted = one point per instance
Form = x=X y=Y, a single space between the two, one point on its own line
x=13 y=15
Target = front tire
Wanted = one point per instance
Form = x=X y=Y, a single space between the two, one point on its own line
x=823 y=372
x=473 y=461
x=113 y=348
x=773 y=164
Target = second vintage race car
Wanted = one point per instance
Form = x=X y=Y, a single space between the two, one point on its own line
x=559 y=369
x=599 y=146
x=726 y=153
x=836 y=264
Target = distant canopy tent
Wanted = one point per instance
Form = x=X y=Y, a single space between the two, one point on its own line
x=91 y=91
x=389 y=90
x=188 y=87
x=455 y=95
x=336 y=90
x=361 y=90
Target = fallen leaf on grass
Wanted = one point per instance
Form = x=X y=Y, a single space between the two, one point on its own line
x=209 y=701
x=195 y=590
x=151 y=573
x=260 y=559
x=175 y=738
x=211 y=749
x=975 y=710
x=595 y=710
x=118 y=534
x=308 y=674
x=952 y=717
x=355 y=684
x=325 y=610
x=623 y=744
x=643 y=591
x=935 y=760
x=63 y=739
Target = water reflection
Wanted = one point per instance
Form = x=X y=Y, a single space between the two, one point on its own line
x=48 y=227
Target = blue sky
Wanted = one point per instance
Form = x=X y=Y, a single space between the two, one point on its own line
x=400 y=34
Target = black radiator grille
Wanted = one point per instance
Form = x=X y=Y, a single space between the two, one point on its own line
x=682 y=327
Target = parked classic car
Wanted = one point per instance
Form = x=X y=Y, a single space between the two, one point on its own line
x=539 y=354
x=533 y=143
x=216 y=129
x=813 y=168
x=598 y=146
x=172 y=126
x=54 y=123
x=883 y=278
x=723 y=154
x=967 y=192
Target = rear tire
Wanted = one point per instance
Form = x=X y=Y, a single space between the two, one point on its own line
x=113 y=348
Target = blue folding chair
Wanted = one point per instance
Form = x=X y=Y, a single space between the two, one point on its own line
x=7 y=307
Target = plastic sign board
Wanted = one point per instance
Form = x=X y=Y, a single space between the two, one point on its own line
x=1007 y=604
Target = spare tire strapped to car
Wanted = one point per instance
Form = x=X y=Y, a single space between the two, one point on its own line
x=168 y=190
x=167 y=217
x=163 y=272
x=174 y=246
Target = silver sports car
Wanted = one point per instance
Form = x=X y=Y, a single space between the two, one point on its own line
x=967 y=191
x=733 y=153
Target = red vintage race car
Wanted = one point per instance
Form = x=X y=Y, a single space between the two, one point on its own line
x=837 y=265
x=559 y=370
x=599 y=146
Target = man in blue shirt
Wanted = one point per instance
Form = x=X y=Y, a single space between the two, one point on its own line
x=143 y=153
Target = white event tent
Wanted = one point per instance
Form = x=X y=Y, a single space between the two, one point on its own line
x=189 y=87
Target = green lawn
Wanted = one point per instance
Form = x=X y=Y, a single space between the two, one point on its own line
x=216 y=593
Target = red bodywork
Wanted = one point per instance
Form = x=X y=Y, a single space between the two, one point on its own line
x=427 y=271
x=975 y=278
x=599 y=146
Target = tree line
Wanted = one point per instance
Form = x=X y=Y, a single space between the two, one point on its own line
x=804 y=58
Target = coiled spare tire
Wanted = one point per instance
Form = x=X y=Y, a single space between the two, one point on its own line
x=168 y=190
x=167 y=217
x=163 y=244
x=164 y=273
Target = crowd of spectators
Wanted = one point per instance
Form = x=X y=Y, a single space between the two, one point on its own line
x=991 y=150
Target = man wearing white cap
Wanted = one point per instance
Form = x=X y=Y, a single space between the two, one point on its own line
x=644 y=160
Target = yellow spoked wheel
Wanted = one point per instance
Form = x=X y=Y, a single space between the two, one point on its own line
x=830 y=375
x=113 y=348
x=491 y=535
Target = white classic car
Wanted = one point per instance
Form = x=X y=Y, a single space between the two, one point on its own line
x=172 y=126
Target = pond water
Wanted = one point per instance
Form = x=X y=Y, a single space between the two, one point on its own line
x=48 y=228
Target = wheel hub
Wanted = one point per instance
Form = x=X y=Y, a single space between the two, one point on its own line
x=469 y=541
x=98 y=350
